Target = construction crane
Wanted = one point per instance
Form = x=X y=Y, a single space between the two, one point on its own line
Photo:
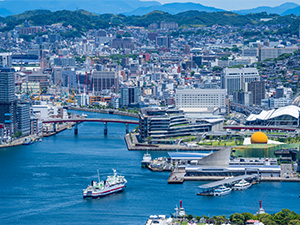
x=78 y=83
x=56 y=89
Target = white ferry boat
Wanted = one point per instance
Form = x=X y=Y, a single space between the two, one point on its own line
x=222 y=191
x=242 y=185
x=146 y=160
x=112 y=184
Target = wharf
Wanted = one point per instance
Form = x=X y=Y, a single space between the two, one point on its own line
x=177 y=176
x=133 y=145
x=227 y=181
x=18 y=141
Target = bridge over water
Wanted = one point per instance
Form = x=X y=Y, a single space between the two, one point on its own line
x=98 y=120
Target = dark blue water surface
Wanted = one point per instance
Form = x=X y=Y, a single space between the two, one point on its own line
x=42 y=183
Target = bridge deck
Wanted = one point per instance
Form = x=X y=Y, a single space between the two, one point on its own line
x=80 y=120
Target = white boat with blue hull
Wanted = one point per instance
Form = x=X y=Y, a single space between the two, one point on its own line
x=222 y=191
x=242 y=185
x=112 y=184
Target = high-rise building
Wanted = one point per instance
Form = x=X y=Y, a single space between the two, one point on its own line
x=23 y=117
x=129 y=95
x=258 y=91
x=5 y=60
x=243 y=98
x=163 y=41
x=235 y=79
x=105 y=80
x=7 y=99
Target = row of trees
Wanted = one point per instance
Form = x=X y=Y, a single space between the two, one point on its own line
x=284 y=217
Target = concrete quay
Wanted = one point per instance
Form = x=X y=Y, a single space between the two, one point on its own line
x=105 y=111
x=18 y=142
x=133 y=145
x=59 y=129
x=262 y=179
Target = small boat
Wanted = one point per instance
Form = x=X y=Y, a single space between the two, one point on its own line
x=69 y=127
x=146 y=160
x=112 y=184
x=84 y=115
x=28 y=141
x=40 y=140
x=242 y=185
x=222 y=191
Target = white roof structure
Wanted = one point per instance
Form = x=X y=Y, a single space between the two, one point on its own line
x=290 y=110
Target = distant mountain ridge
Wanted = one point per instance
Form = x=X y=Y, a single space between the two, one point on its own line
x=277 y=9
x=174 y=8
x=130 y=7
x=295 y=11
x=95 y=6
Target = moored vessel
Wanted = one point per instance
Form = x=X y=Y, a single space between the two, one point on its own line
x=146 y=160
x=112 y=184
x=222 y=191
x=28 y=141
x=242 y=185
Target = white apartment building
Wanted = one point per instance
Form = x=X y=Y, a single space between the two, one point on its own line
x=200 y=98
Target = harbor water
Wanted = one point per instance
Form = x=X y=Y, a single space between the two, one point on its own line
x=42 y=183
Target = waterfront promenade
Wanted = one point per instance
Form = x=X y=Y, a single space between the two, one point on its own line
x=133 y=145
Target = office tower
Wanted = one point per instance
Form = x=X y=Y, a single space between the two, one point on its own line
x=235 y=79
x=163 y=41
x=129 y=95
x=7 y=98
x=23 y=117
x=105 y=80
x=243 y=98
x=258 y=91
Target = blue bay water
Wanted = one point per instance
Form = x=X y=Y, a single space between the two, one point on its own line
x=42 y=183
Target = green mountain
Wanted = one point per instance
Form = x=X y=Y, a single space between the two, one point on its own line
x=83 y=20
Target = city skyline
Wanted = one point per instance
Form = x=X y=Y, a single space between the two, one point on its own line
x=232 y=4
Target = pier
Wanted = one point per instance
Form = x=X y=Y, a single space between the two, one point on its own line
x=177 y=176
x=208 y=189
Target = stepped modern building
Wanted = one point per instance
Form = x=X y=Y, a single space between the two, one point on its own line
x=167 y=123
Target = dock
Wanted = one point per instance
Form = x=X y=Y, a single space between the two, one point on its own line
x=228 y=181
x=208 y=189
x=177 y=176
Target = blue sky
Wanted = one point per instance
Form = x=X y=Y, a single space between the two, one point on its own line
x=234 y=4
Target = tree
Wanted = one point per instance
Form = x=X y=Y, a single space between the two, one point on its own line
x=18 y=134
x=237 y=218
x=190 y=217
x=247 y=216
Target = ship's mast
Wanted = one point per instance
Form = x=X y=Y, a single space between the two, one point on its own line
x=98 y=176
